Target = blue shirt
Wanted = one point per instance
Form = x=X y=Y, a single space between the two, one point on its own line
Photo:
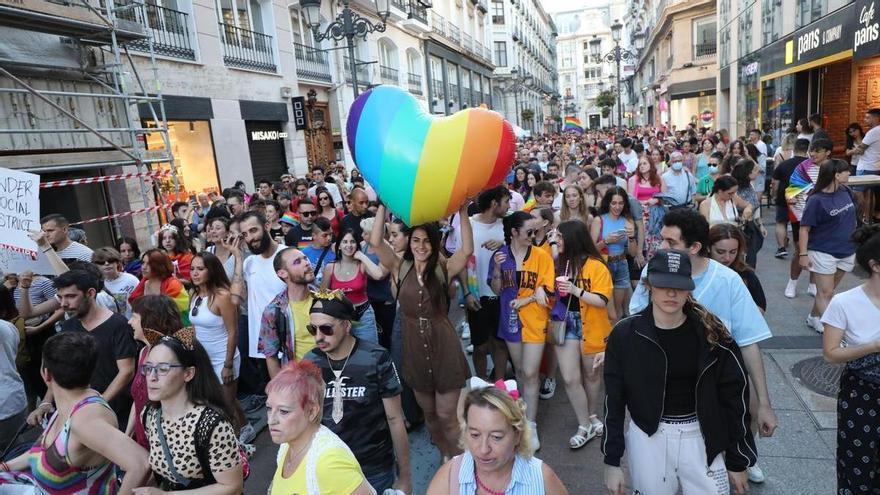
x=527 y=477
x=723 y=292
x=832 y=220
x=313 y=254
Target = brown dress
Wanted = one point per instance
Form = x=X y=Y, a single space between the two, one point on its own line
x=433 y=360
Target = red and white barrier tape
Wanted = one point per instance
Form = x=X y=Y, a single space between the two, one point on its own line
x=155 y=174
x=120 y=215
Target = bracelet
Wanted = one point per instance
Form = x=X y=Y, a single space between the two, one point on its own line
x=4 y=466
x=227 y=366
x=468 y=293
x=47 y=249
x=44 y=403
x=803 y=254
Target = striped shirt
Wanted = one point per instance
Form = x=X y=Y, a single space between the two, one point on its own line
x=527 y=477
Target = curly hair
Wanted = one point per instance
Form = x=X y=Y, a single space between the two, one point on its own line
x=715 y=331
x=159 y=313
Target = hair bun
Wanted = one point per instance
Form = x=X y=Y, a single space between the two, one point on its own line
x=865 y=233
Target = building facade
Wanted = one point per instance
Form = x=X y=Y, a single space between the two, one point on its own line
x=674 y=80
x=581 y=77
x=524 y=47
x=777 y=68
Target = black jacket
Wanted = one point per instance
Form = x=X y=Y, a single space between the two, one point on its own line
x=635 y=378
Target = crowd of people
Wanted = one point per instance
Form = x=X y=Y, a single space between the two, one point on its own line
x=626 y=261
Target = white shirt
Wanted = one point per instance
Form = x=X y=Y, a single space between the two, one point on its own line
x=854 y=313
x=76 y=251
x=11 y=385
x=120 y=288
x=517 y=202
x=478 y=265
x=871 y=158
x=333 y=189
x=630 y=160
x=263 y=285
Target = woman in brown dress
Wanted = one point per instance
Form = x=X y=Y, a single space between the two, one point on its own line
x=434 y=364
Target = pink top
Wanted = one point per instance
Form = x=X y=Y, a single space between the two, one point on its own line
x=355 y=289
x=644 y=193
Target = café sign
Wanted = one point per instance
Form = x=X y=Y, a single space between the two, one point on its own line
x=866 y=35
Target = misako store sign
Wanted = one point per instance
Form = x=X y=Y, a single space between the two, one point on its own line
x=831 y=38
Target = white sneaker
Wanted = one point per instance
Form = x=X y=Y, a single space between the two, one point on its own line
x=815 y=323
x=536 y=443
x=791 y=289
x=548 y=389
x=811 y=290
x=755 y=474
x=465 y=331
x=469 y=349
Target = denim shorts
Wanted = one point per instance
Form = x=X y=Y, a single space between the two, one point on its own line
x=365 y=328
x=619 y=273
x=574 y=329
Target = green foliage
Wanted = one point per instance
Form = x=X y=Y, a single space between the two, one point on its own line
x=527 y=113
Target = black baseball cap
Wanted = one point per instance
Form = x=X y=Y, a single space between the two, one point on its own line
x=670 y=269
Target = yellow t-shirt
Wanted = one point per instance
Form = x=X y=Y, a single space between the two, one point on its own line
x=337 y=471
x=303 y=342
x=537 y=271
x=595 y=278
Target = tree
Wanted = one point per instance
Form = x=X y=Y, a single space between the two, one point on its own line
x=605 y=101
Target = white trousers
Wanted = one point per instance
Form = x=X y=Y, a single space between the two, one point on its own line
x=673 y=457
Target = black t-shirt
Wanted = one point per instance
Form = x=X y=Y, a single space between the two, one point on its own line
x=298 y=237
x=369 y=377
x=115 y=340
x=782 y=173
x=353 y=222
x=682 y=348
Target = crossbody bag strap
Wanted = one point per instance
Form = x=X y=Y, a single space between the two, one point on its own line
x=169 y=459
x=321 y=259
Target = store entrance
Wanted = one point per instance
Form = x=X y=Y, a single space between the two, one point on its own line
x=266 y=146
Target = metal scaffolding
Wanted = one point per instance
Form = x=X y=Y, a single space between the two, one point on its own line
x=108 y=27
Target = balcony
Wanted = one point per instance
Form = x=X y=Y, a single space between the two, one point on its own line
x=246 y=49
x=389 y=75
x=399 y=9
x=482 y=6
x=416 y=21
x=362 y=68
x=705 y=50
x=414 y=83
x=169 y=29
x=466 y=97
x=312 y=64
x=467 y=42
x=453 y=33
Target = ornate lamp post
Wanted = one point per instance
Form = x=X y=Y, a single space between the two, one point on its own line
x=348 y=26
x=616 y=55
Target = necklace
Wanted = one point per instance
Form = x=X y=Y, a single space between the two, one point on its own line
x=337 y=386
x=486 y=488
x=290 y=458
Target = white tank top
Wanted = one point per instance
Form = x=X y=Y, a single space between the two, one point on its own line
x=718 y=215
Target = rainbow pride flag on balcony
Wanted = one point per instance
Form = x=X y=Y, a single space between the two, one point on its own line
x=573 y=123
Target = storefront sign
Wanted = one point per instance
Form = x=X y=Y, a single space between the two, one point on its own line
x=750 y=69
x=299 y=112
x=830 y=35
x=866 y=36
x=267 y=135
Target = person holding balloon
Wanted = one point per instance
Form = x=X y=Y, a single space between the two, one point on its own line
x=434 y=366
x=522 y=276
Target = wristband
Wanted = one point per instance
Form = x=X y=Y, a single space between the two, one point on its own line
x=47 y=249
x=803 y=254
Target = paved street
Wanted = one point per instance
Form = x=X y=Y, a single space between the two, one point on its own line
x=799 y=459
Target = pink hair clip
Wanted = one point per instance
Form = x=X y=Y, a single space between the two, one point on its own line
x=508 y=386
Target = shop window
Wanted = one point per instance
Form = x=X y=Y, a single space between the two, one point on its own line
x=777 y=106
x=771 y=25
x=745 y=33
x=810 y=10
x=193 y=151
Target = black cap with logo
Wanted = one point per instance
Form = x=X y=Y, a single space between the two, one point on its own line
x=670 y=269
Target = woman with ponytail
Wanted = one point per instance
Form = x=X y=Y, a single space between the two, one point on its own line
x=522 y=275
x=677 y=371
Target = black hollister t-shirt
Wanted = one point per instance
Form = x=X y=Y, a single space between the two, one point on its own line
x=368 y=378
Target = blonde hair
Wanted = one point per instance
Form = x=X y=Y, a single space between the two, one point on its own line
x=565 y=213
x=513 y=410
x=367 y=224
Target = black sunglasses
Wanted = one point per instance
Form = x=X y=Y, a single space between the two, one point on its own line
x=327 y=329
x=195 y=310
x=308 y=213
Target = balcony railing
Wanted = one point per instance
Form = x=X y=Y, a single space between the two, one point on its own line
x=169 y=29
x=418 y=11
x=453 y=33
x=363 y=71
x=400 y=4
x=453 y=92
x=466 y=97
x=467 y=42
x=247 y=49
x=389 y=75
x=414 y=82
x=705 y=50
x=312 y=63
x=437 y=89
x=438 y=24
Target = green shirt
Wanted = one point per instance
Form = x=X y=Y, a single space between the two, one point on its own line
x=704 y=187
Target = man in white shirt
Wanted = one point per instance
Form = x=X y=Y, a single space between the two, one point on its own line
x=869 y=163
x=333 y=189
x=680 y=184
x=258 y=273
x=57 y=228
x=755 y=138
x=628 y=157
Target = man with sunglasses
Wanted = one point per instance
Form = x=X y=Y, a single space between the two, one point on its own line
x=283 y=333
x=300 y=236
x=362 y=401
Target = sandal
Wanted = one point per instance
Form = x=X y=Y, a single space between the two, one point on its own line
x=583 y=435
x=597 y=425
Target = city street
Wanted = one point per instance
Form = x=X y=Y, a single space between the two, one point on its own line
x=799 y=458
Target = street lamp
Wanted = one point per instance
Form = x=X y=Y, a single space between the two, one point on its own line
x=348 y=26
x=616 y=55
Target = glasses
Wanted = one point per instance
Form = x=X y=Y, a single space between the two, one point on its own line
x=107 y=262
x=308 y=213
x=161 y=369
x=531 y=232
x=195 y=310
x=324 y=198
x=326 y=329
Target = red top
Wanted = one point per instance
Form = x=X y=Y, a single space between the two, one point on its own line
x=355 y=289
x=139 y=397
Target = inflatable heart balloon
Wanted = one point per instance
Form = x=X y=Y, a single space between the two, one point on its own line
x=424 y=167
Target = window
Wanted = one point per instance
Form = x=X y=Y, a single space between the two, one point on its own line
x=705 y=37
x=724 y=46
x=501 y=53
x=593 y=72
x=566 y=55
x=497 y=11
x=810 y=10
x=771 y=25
x=745 y=33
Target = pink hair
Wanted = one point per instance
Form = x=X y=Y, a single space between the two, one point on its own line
x=301 y=378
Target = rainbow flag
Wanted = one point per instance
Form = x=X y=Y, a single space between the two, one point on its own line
x=573 y=123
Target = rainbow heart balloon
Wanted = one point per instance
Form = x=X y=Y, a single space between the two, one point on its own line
x=424 y=167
